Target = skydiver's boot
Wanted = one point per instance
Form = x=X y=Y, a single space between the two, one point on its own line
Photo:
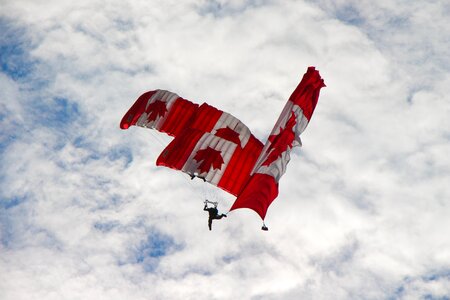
x=192 y=176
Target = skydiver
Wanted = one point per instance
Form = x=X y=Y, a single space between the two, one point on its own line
x=213 y=213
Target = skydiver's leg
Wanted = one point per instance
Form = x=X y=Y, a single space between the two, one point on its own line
x=218 y=217
x=210 y=223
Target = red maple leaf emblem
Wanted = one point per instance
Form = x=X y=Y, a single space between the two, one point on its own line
x=281 y=141
x=228 y=134
x=209 y=157
x=156 y=109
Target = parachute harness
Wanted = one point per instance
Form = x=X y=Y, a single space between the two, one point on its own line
x=211 y=202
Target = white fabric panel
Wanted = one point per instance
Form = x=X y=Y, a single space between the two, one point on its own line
x=227 y=120
x=226 y=148
x=278 y=167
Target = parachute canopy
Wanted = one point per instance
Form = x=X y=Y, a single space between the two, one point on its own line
x=218 y=147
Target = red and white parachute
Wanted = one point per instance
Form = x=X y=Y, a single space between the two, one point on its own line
x=216 y=146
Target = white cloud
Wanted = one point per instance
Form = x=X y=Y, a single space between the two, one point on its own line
x=363 y=208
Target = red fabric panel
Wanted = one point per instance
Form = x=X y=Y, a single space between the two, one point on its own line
x=307 y=92
x=136 y=110
x=179 y=117
x=258 y=194
x=206 y=117
x=241 y=164
x=177 y=152
x=229 y=134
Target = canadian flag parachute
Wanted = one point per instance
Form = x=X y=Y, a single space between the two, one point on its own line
x=216 y=146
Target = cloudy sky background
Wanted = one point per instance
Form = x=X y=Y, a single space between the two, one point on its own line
x=364 y=207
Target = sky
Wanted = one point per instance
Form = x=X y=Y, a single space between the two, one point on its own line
x=363 y=210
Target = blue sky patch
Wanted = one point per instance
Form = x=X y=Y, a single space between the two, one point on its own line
x=60 y=112
x=121 y=153
x=6 y=139
x=410 y=281
x=106 y=226
x=6 y=228
x=156 y=246
x=350 y=15
x=431 y=297
x=14 y=50
x=437 y=275
x=10 y=202
x=219 y=10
